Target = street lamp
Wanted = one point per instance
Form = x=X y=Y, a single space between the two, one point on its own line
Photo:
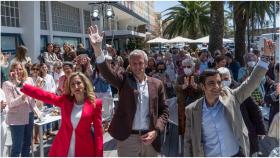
x=95 y=13
x=109 y=12
x=99 y=10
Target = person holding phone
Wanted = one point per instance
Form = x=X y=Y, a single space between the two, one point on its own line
x=20 y=116
x=187 y=90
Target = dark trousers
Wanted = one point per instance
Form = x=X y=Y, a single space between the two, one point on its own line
x=21 y=138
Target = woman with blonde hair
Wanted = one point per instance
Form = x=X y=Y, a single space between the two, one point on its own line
x=79 y=109
x=20 y=116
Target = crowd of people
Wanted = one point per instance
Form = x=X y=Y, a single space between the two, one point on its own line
x=219 y=102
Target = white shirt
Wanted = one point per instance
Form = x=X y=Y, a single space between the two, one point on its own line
x=75 y=118
x=25 y=61
x=49 y=84
x=141 y=119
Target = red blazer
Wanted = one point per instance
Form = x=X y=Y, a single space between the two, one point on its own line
x=86 y=144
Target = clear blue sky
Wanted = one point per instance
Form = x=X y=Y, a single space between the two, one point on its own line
x=163 y=5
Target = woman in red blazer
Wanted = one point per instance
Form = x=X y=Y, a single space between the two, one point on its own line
x=79 y=109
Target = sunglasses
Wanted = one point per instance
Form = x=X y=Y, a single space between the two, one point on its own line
x=59 y=67
x=36 y=69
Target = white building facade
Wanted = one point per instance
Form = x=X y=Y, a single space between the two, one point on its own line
x=36 y=23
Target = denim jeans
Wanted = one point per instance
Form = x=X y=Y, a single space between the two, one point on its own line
x=21 y=138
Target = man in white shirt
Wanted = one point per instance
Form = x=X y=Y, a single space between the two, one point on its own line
x=142 y=112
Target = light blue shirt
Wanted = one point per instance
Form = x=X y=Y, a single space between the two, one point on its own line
x=203 y=66
x=217 y=135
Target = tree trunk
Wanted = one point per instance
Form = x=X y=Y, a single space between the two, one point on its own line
x=248 y=36
x=252 y=30
x=239 y=34
x=216 y=26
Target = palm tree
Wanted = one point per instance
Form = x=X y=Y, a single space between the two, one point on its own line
x=189 y=18
x=216 y=26
x=228 y=26
x=243 y=12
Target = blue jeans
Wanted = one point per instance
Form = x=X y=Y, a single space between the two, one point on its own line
x=21 y=138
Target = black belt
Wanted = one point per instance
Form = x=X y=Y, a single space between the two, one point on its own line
x=140 y=132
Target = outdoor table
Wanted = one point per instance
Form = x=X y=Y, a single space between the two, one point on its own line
x=47 y=119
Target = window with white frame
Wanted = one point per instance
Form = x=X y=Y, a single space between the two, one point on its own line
x=86 y=20
x=65 y=18
x=70 y=40
x=43 y=15
x=9 y=13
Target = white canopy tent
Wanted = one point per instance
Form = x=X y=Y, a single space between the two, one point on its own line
x=158 y=40
x=206 y=40
x=227 y=40
x=180 y=39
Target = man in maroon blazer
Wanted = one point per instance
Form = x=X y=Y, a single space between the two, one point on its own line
x=142 y=112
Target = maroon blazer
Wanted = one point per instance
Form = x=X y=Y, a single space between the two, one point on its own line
x=121 y=124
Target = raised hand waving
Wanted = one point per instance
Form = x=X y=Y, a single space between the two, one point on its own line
x=95 y=38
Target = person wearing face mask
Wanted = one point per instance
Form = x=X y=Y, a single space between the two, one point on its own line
x=170 y=67
x=272 y=95
x=162 y=75
x=227 y=79
x=250 y=60
x=250 y=111
x=179 y=58
x=187 y=90
x=258 y=94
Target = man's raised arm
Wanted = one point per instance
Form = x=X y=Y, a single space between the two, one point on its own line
x=95 y=38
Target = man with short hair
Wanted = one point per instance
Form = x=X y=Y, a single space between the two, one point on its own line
x=214 y=124
x=142 y=112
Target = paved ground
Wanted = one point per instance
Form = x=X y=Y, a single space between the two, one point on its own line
x=169 y=148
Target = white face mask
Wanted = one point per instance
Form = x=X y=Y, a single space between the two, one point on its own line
x=226 y=83
x=251 y=63
x=188 y=71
